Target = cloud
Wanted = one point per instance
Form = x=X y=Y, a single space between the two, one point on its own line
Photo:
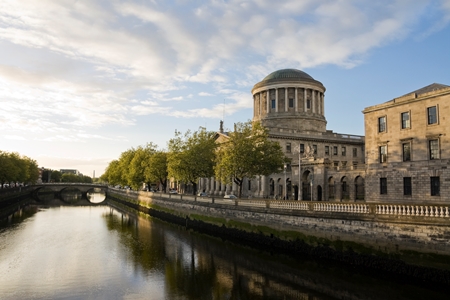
x=205 y=94
x=68 y=65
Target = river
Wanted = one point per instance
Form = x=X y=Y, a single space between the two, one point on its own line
x=76 y=250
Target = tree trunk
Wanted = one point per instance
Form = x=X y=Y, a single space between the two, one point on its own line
x=239 y=183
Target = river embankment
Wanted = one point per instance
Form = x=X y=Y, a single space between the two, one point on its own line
x=411 y=247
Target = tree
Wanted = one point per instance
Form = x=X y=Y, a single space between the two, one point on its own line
x=247 y=153
x=138 y=165
x=33 y=170
x=191 y=156
x=112 y=173
x=156 y=169
x=56 y=176
x=14 y=167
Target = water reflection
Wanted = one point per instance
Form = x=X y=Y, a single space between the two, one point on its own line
x=96 y=195
x=71 y=195
x=90 y=252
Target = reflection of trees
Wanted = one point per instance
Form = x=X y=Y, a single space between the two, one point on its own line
x=145 y=243
x=19 y=216
x=195 y=279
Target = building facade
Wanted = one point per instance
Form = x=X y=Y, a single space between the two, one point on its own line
x=325 y=166
x=408 y=148
x=404 y=156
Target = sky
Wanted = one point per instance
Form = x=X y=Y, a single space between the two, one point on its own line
x=83 y=81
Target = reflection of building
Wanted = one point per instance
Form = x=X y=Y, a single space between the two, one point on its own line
x=408 y=148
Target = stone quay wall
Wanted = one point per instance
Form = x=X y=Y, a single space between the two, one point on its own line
x=380 y=227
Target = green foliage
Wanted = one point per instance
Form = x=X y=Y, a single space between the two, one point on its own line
x=156 y=169
x=191 y=156
x=137 y=166
x=16 y=168
x=247 y=153
x=75 y=178
x=56 y=176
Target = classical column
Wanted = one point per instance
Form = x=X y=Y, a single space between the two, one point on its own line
x=305 y=100
x=263 y=187
x=296 y=100
x=267 y=100
x=260 y=102
x=320 y=103
x=323 y=104
x=276 y=100
x=286 y=99
x=211 y=186
x=313 y=101
x=223 y=188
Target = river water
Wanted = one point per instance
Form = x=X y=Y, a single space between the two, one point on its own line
x=77 y=250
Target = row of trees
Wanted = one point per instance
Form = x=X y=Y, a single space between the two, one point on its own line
x=57 y=176
x=17 y=168
x=243 y=153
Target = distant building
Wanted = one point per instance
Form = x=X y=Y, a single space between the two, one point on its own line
x=70 y=171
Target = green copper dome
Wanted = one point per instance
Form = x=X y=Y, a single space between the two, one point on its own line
x=287 y=73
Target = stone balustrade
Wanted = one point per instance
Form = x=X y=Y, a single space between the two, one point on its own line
x=294 y=205
x=413 y=210
x=343 y=207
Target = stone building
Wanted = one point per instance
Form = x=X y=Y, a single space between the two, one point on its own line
x=407 y=147
x=326 y=165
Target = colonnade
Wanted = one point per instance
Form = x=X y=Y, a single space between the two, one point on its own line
x=300 y=99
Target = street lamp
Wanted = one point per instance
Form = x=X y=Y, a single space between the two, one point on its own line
x=299 y=194
x=285 y=192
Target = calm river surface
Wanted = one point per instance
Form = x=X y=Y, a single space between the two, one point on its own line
x=62 y=251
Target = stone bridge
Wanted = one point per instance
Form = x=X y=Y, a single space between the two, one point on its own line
x=58 y=188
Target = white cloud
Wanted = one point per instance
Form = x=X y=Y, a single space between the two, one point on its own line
x=205 y=94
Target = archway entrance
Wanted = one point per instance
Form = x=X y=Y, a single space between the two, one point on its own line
x=319 y=193
x=359 y=188
x=331 y=189
x=306 y=187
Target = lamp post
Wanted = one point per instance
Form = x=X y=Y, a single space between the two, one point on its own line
x=285 y=191
x=299 y=194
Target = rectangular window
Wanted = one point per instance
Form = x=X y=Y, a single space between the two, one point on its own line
x=344 y=151
x=355 y=152
x=335 y=150
x=308 y=104
x=273 y=103
x=288 y=147
x=406 y=151
x=433 y=146
x=432 y=115
x=405 y=120
x=302 y=148
x=327 y=150
x=249 y=185
x=291 y=102
x=383 y=185
x=435 y=186
x=383 y=154
x=407 y=187
x=315 y=149
x=382 y=124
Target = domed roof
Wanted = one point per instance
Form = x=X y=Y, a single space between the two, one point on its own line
x=287 y=73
